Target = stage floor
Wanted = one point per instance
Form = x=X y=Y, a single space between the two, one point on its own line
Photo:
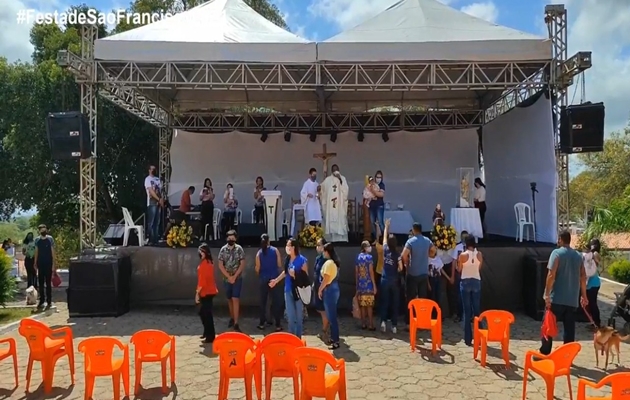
x=162 y=275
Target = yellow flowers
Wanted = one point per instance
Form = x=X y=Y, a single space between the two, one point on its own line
x=179 y=236
x=444 y=237
x=309 y=236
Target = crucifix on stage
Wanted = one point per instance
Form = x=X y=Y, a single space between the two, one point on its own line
x=325 y=156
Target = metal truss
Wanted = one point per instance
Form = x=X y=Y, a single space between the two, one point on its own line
x=87 y=187
x=510 y=99
x=130 y=100
x=258 y=123
x=165 y=138
x=329 y=77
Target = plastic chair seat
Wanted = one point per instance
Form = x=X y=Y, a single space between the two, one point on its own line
x=51 y=343
x=546 y=367
x=332 y=378
x=156 y=357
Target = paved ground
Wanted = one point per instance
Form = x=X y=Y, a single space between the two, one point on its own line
x=379 y=366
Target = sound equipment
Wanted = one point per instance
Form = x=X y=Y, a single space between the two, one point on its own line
x=68 y=135
x=249 y=234
x=115 y=233
x=534 y=281
x=582 y=128
x=99 y=286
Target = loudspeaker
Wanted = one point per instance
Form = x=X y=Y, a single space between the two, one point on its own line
x=99 y=286
x=114 y=236
x=68 y=135
x=249 y=234
x=534 y=281
x=582 y=128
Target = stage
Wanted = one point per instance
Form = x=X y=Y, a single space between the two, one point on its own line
x=168 y=276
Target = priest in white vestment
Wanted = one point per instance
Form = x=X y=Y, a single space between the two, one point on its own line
x=309 y=198
x=335 y=206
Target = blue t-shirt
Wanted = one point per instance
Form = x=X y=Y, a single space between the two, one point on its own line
x=268 y=263
x=296 y=265
x=566 y=287
x=390 y=264
x=44 y=247
x=378 y=202
x=419 y=246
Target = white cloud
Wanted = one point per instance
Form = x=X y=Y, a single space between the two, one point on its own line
x=487 y=11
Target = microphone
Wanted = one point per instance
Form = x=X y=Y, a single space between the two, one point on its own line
x=275 y=187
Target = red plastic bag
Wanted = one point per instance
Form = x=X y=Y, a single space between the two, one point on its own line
x=549 y=328
x=56 y=279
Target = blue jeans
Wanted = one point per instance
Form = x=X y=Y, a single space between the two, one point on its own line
x=389 y=299
x=153 y=223
x=435 y=293
x=377 y=215
x=470 y=290
x=295 y=314
x=331 y=298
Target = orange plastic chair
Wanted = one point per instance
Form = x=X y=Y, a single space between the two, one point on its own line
x=46 y=345
x=550 y=367
x=10 y=352
x=277 y=348
x=314 y=380
x=99 y=360
x=238 y=359
x=153 y=346
x=497 y=330
x=619 y=384
x=423 y=308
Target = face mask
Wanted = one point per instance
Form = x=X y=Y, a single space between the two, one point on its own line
x=368 y=249
x=313 y=177
x=319 y=249
x=231 y=242
x=287 y=249
x=200 y=255
x=43 y=233
x=378 y=180
x=335 y=171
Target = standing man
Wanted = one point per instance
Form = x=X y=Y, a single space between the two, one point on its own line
x=231 y=265
x=154 y=203
x=44 y=266
x=335 y=205
x=416 y=256
x=566 y=282
x=309 y=198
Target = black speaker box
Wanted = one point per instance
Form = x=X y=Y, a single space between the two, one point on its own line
x=249 y=234
x=115 y=233
x=99 y=286
x=534 y=281
x=582 y=128
x=68 y=135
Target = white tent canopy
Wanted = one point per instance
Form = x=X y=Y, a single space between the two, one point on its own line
x=427 y=30
x=219 y=30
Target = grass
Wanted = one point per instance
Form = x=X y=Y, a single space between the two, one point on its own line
x=8 y=315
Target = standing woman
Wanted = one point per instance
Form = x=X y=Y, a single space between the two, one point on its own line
x=480 y=201
x=230 y=208
x=592 y=262
x=259 y=205
x=365 y=285
x=329 y=292
x=207 y=208
x=28 y=249
x=268 y=265
x=377 y=204
x=469 y=264
x=317 y=281
x=293 y=264
x=206 y=290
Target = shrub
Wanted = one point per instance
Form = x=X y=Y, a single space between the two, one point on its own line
x=7 y=281
x=620 y=271
x=67 y=244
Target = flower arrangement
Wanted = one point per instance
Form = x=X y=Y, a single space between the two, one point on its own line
x=309 y=236
x=179 y=236
x=444 y=237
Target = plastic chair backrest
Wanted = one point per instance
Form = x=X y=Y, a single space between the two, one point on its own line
x=522 y=212
x=127 y=217
x=149 y=342
x=278 y=348
x=564 y=355
x=619 y=385
x=35 y=333
x=99 y=352
x=239 y=215
x=216 y=216
x=423 y=309
x=312 y=365
x=498 y=324
x=232 y=348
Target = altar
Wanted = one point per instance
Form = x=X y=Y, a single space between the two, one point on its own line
x=467 y=219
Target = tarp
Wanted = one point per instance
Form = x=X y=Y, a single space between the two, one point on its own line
x=427 y=30
x=219 y=30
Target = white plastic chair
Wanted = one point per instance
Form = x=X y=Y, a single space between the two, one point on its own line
x=523 y=219
x=239 y=217
x=253 y=215
x=131 y=225
x=286 y=220
x=216 y=223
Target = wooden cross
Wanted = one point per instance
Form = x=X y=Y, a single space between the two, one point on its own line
x=325 y=156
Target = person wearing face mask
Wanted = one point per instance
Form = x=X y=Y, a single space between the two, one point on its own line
x=231 y=265
x=207 y=209
x=329 y=292
x=294 y=264
x=319 y=303
x=377 y=204
x=230 y=209
x=44 y=266
x=153 y=187
x=309 y=197
x=365 y=285
x=206 y=290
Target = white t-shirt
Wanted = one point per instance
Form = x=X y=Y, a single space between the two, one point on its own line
x=480 y=194
x=435 y=266
x=152 y=182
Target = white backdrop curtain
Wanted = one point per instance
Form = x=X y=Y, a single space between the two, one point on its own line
x=419 y=167
x=518 y=149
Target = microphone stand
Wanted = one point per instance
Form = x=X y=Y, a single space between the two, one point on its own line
x=534 y=191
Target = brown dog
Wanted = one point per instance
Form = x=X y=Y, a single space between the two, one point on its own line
x=607 y=340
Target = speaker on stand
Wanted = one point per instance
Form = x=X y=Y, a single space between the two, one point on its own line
x=68 y=135
x=582 y=128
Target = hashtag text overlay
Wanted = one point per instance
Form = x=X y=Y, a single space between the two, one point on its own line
x=89 y=17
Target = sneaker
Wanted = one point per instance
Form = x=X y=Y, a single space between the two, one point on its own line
x=231 y=323
x=394 y=330
x=383 y=327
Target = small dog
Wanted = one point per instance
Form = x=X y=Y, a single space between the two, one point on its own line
x=31 y=296
x=608 y=340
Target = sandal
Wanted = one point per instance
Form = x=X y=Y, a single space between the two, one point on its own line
x=261 y=327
